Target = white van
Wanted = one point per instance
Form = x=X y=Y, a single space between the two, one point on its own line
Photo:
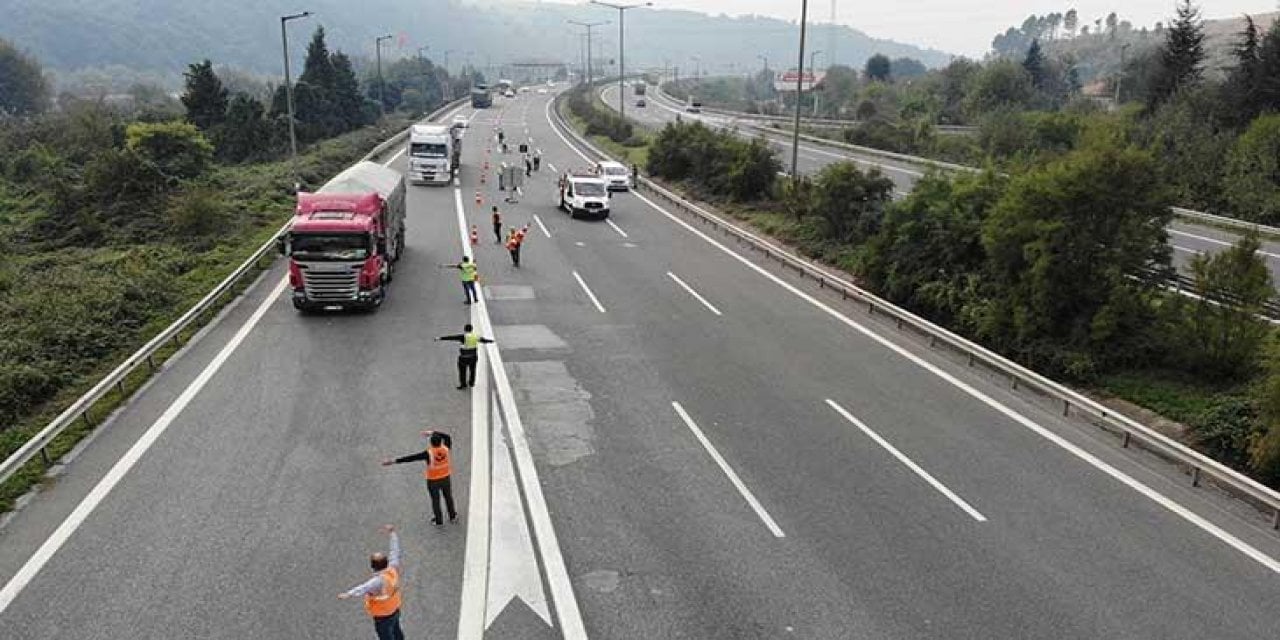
x=584 y=193
x=615 y=175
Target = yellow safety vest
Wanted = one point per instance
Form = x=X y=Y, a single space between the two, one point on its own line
x=468 y=270
x=470 y=341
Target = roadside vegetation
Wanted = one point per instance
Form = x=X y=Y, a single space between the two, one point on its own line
x=113 y=222
x=605 y=127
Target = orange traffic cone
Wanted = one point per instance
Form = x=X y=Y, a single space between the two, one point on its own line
x=479 y=198
x=475 y=235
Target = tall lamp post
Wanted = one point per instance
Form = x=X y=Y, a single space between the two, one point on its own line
x=382 y=85
x=589 y=26
x=288 y=93
x=622 y=56
x=795 y=135
x=813 y=68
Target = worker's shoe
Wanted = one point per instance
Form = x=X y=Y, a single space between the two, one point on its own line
x=462 y=386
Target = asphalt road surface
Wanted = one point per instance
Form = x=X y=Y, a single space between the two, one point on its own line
x=1186 y=239
x=668 y=440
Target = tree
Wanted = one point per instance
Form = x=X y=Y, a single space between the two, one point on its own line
x=246 y=135
x=1264 y=448
x=850 y=201
x=1244 y=79
x=1034 y=63
x=878 y=68
x=902 y=68
x=1182 y=55
x=1224 y=332
x=23 y=88
x=352 y=107
x=176 y=149
x=999 y=85
x=956 y=79
x=1112 y=23
x=1265 y=92
x=1253 y=172
x=205 y=98
x=1071 y=22
x=1088 y=224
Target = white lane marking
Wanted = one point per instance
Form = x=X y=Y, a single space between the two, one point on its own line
x=541 y=226
x=475 y=564
x=933 y=482
x=1218 y=242
x=566 y=605
x=122 y=466
x=553 y=167
x=588 y=290
x=728 y=471
x=694 y=293
x=1153 y=495
x=393 y=158
x=616 y=228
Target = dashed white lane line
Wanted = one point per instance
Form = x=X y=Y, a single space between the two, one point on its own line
x=915 y=468
x=728 y=471
x=616 y=228
x=541 y=226
x=1216 y=241
x=393 y=158
x=694 y=293
x=553 y=167
x=594 y=300
x=122 y=466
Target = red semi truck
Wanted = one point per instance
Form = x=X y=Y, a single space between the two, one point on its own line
x=345 y=239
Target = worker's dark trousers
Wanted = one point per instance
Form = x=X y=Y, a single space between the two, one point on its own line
x=497 y=232
x=435 y=488
x=388 y=627
x=469 y=290
x=467 y=370
x=515 y=255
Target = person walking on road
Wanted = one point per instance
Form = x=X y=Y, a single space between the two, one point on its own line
x=382 y=591
x=537 y=160
x=468 y=354
x=469 y=274
x=513 y=246
x=497 y=225
x=438 y=456
x=528 y=166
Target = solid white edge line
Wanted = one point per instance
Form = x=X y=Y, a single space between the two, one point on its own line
x=393 y=158
x=122 y=466
x=568 y=614
x=588 y=290
x=694 y=293
x=933 y=482
x=541 y=226
x=728 y=471
x=1155 y=496
x=475 y=564
x=616 y=228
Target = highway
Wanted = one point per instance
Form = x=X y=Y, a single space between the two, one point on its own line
x=669 y=440
x=1186 y=239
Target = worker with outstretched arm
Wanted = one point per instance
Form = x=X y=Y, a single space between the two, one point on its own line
x=382 y=591
x=468 y=354
x=469 y=274
x=438 y=456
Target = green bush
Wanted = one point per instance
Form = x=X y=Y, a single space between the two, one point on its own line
x=600 y=122
x=719 y=162
x=177 y=149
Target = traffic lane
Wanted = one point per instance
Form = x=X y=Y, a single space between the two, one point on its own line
x=1189 y=240
x=278 y=455
x=644 y=515
x=1057 y=533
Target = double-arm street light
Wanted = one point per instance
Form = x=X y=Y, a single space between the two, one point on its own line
x=288 y=93
x=589 y=26
x=622 y=68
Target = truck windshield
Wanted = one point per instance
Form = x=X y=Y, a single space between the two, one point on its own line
x=589 y=189
x=336 y=246
x=427 y=150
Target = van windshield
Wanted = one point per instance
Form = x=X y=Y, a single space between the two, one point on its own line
x=427 y=150
x=331 y=246
x=589 y=189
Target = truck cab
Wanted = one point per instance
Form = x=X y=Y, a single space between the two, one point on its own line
x=434 y=150
x=345 y=239
x=584 y=193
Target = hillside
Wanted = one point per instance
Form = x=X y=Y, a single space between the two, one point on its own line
x=163 y=36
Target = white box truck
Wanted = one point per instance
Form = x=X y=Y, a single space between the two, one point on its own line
x=434 y=153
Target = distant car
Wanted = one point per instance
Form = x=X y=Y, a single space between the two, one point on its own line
x=615 y=174
x=460 y=121
x=542 y=91
x=694 y=107
x=641 y=102
x=510 y=94
x=524 y=90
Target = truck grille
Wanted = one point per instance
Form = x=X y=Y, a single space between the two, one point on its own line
x=330 y=283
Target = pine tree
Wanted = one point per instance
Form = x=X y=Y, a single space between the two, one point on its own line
x=246 y=134
x=205 y=97
x=1243 y=80
x=1071 y=22
x=23 y=88
x=878 y=68
x=317 y=71
x=1182 y=56
x=1266 y=75
x=352 y=107
x=1034 y=63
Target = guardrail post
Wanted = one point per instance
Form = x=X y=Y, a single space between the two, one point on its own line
x=44 y=455
x=1195 y=476
x=1014 y=381
x=151 y=363
x=971 y=358
x=1124 y=443
x=1275 y=521
x=1066 y=407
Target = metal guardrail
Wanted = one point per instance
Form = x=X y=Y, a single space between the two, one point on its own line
x=145 y=356
x=1223 y=221
x=1071 y=402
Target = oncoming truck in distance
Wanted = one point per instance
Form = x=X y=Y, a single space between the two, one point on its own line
x=480 y=97
x=434 y=153
x=345 y=239
x=584 y=193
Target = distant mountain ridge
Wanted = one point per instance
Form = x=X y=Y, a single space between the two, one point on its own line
x=164 y=35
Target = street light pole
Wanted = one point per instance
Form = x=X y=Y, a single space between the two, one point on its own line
x=589 y=26
x=382 y=85
x=813 y=68
x=622 y=56
x=288 y=92
x=795 y=136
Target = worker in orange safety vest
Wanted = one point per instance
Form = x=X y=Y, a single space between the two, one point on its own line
x=382 y=591
x=438 y=456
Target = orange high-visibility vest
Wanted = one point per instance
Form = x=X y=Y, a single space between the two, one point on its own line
x=388 y=602
x=438 y=465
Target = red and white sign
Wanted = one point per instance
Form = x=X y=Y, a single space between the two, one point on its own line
x=786 y=81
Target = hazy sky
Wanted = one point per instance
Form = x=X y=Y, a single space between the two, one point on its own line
x=959 y=26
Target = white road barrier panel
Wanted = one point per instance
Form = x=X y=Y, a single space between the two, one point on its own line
x=1071 y=403
x=145 y=356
